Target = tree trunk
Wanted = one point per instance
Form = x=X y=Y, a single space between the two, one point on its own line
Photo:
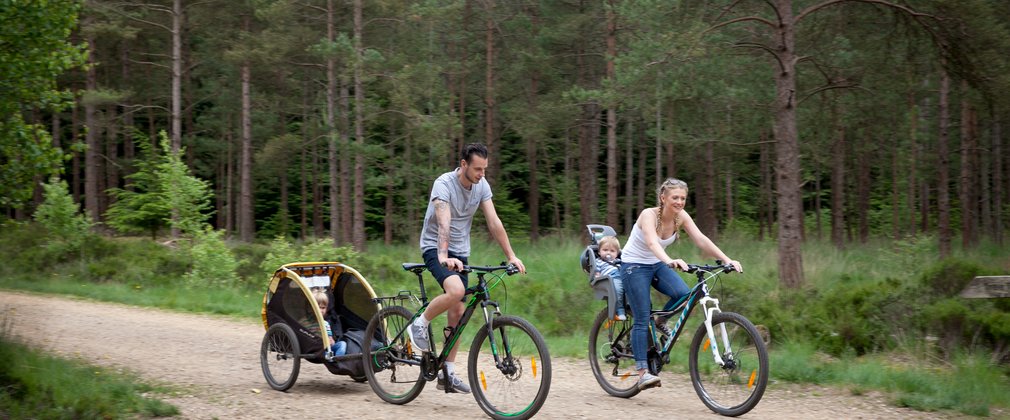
x=765 y=213
x=913 y=169
x=177 y=74
x=358 y=237
x=943 y=169
x=966 y=192
x=730 y=211
x=643 y=156
x=587 y=155
x=111 y=153
x=318 y=230
x=997 y=179
x=787 y=151
x=75 y=161
x=863 y=192
x=304 y=184
x=387 y=231
x=629 y=178
x=490 y=101
x=705 y=196
x=346 y=195
x=229 y=181
x=332 y=136
x=612 y=214
x=91 y=136
x=246 y=224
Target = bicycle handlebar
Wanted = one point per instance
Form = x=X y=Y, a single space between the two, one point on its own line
x=719 y=265
x=510 y=269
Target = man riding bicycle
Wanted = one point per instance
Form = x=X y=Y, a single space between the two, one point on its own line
x=445 y=246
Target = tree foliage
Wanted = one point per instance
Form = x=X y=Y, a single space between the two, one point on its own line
x=161 y=193
x=34 y=51
x=62 y=217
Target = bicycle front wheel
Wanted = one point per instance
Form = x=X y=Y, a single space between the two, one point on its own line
x=736 y=386
x=510 y=372
x=392 y=367
x=610 y=355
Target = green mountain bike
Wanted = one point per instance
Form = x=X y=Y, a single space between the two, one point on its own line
x=509 y=366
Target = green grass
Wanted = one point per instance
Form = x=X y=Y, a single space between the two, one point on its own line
x=37 y=386
x=970 y=384
x=858 y=323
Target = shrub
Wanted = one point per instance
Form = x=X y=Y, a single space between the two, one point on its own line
x=61 y=216
x=213 y=263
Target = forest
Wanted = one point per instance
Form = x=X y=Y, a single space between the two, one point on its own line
x=836 y=119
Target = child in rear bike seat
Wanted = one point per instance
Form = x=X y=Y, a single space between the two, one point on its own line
x=609 y=265
x=338 y=348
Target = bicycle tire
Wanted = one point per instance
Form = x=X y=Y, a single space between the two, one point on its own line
x=518 y=388
x=610 y=355
x=393 y=370
x=736 y=387
x=279 y=357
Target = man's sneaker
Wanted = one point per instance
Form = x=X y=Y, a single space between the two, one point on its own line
x=647 y=381
x=419 y=337
x=455 y=384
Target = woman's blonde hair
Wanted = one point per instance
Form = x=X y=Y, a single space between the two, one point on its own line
x=669 y=184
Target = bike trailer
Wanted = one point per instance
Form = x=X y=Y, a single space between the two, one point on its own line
x=603 y=287
x=289 y=301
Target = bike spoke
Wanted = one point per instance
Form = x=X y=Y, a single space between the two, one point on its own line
x=735 y=386
x=516 y=382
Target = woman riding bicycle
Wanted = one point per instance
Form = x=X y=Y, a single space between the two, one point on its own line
x=645 y=263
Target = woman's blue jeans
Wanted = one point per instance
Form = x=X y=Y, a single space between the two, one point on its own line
x=638 y=279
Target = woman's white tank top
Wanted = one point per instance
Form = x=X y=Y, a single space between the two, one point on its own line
x=635 y=251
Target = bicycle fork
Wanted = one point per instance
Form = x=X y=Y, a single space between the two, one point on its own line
x=709 y=314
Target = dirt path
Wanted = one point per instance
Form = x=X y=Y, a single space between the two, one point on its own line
x=216 y=361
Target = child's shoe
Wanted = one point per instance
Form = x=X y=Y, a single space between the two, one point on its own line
x=621 y=316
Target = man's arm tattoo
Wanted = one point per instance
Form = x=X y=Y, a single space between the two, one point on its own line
x=442 y=217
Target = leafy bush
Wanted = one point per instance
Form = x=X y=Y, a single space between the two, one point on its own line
x=61 y=216
x=213 y=263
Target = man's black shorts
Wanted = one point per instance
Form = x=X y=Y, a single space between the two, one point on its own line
x=439 y=272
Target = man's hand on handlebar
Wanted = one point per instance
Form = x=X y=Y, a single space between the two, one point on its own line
x=453 y=264
x=518 y=263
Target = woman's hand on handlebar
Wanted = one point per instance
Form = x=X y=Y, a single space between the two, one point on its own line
x=678 y=264
x=736 y=265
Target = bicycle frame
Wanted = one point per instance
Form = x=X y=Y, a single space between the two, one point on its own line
x=698 y=295
x=479 y=294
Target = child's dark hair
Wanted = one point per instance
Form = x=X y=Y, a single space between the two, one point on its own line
x=473 y=149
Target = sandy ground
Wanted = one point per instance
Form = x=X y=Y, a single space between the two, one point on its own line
x=214 y=361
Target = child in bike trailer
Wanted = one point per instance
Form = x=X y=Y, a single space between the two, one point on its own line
x=645 y=264
x=338 y=348
x=609 y=265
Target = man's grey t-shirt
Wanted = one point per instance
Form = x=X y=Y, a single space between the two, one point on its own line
x=463 y=204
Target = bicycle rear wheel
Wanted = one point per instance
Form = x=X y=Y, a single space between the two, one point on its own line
x=610 y=355
x=393 y=369
x=516 y=387
x=737 y=386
